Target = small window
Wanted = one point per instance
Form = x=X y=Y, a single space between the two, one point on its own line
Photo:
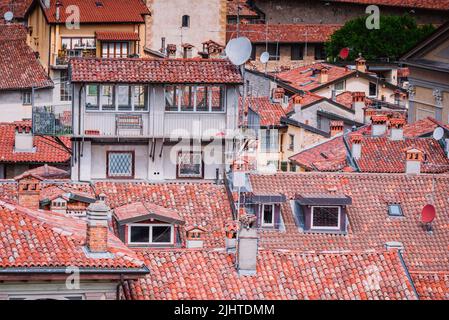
x=107 y=98
x=65 y=91
x=297 y=51
x=268 y=215
x=326 y=218
x=292 y=167
x=284 y=166
x=120 y=164
x=291 y=144
x=340 y=86
x=273 y=50
x=124 y=98
x=190 y=165
x=201 y=99
x=150 y=234
x=320 y=52
x=372 y=89
x=185 y=21
x=26 y=97
x=92 y=97
x=140 y=98
x=395 y=210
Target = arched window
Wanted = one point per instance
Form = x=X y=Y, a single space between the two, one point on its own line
x=185 y=21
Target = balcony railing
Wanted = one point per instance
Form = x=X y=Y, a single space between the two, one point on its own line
x=63 y=56
x=47 y=122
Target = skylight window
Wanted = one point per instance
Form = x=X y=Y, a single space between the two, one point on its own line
x=395 y=210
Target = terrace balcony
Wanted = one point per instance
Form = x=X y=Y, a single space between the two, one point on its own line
x=49 y=121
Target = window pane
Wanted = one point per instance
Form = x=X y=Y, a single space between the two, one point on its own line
x=66 y=43
x=170 y=99
x=217 y=95
x=107 y=97
x=104 y=50
x=372 y=89
x=124 y=98
x=297 y=52
x=273 y=50
x=340 y=86
x=120 y=164
x=201 y=99
x=92 y=97
x=161 y=234
x=140 y=98
x=140 y=234
x=124 y=51
x=325 y=217
x=65 y=88
x=187 y=98
x=267 y=214
x=190 y=165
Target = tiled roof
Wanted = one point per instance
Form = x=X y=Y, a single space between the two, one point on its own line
x=283 y=33
x=202 y=204
x=270 y=113
x=34 y=239
x=307 y=77
x=346 y=99
x=47 y=151
x=245 y=8
x=17 y=7
x=211 y=274
x=378 y=154
x=431 y=286
x=370 y=227
x=110 y=11
x=154 y=71
x=142 y=209
x=53 y=190
x=47 y=172
x=117 y=36
x=424 y=4
x=19 y=67
x=308 y=98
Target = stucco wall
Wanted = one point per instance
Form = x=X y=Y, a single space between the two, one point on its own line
x=12 y=108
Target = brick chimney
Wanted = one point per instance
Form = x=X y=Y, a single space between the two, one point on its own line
x=336 y=127
x=29 y=187
x=248 y=244
x=324 y=75
x=171 y=50
x=414 y=158
x=360 y=64
x=195 y=236
x=379 y=125
x=97 y=226
x=358 y=104
x=356 y=148
x=278 y=95
x=23 y=140
x=397 y=129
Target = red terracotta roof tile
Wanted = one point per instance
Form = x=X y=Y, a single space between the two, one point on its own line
x=424 y=4
x=154 y=71
x=201 y=204
x=117 y=36
x=53 y=190
x=283 y=33
x=143 y=209
x=211 y=274
x=110 y=11
x=370 y=226
x=431 y=286
x=33 y=239
x=47 y=151
x=307 y=78
x=307 y=99
x=270 y=113
x=47 y=172
x=17 y=7
x=19 y=67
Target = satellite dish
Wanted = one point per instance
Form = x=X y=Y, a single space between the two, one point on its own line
x=264 y=57
x=428 y=214
x=238 y=50
x=8 y=16
x=438 y=133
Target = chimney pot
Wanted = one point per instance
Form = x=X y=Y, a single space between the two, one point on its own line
x=195 y=236
x=278 y=95
x=97 y=226
x=356 y=149
x=414 y=158
x=336 y=127
x=358 y=104
x=360 y=64
x=247 y=251
x=324 y=75
x=379 y=125
x=397 y=129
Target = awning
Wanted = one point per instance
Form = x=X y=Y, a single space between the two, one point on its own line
x=323 y=199
x=117 y=36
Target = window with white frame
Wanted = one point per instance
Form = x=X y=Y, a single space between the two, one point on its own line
x=291 y=143
x=123 y=98
x=120 y=164
x=147 y=234
x=115 y=49
x=340 y=86
x=268 y=215
x=65 y=92
x=26 y=97
x=190 y=165
x=325 y=217
x=194 y=98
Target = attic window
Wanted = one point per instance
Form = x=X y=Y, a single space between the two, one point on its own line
x=395 y=210
x=326 y=218
x=185 y=21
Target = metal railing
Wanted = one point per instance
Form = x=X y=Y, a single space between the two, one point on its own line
x=47 y=122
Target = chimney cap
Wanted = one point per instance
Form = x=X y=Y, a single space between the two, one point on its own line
x=356 y=138
x=379 y=119
x=397 y=123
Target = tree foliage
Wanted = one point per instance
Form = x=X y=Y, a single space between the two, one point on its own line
x=397 y=35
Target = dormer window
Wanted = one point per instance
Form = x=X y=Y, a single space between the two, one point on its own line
x=268 y=215
x=326 y=218
x=395 y=210
x=145 y=234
